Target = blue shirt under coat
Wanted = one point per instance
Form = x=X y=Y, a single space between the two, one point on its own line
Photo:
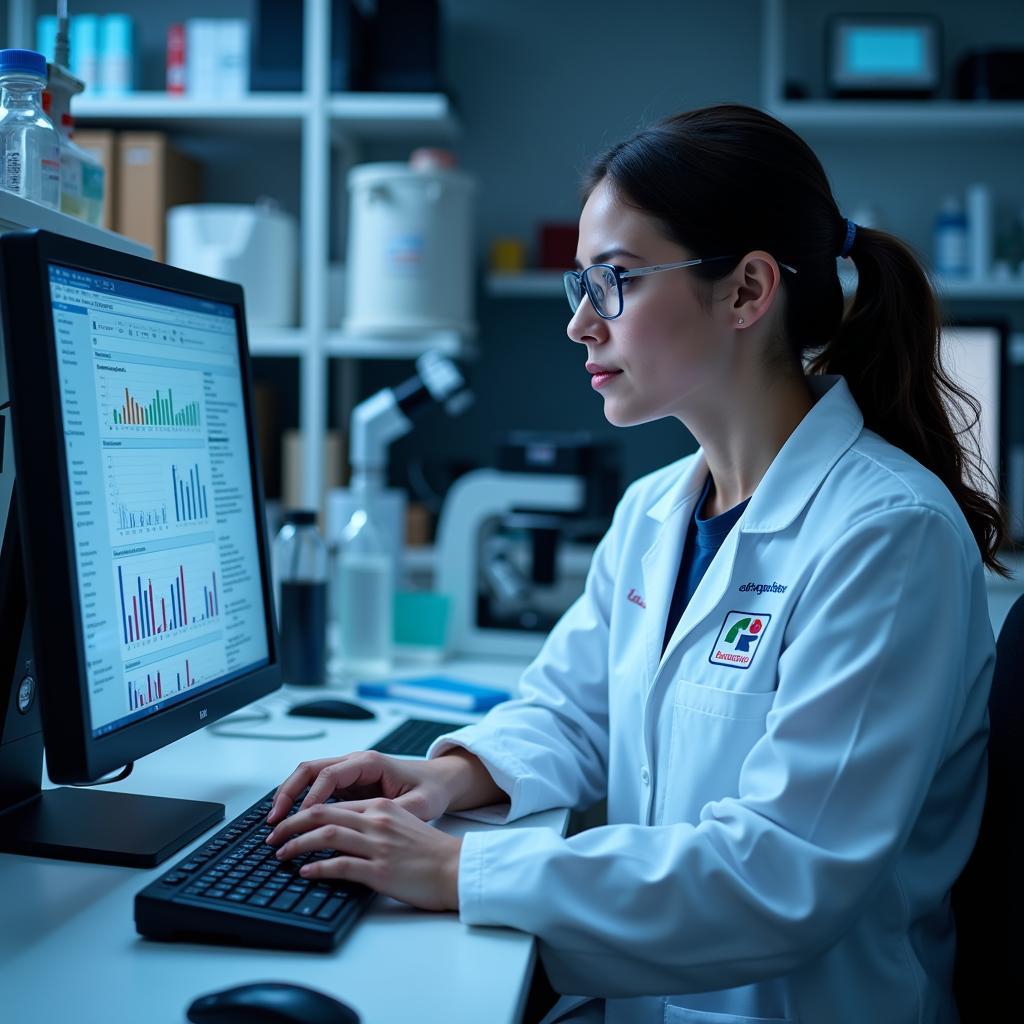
x=703 y=539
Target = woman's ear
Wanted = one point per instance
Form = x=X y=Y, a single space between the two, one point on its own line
x=755 y=281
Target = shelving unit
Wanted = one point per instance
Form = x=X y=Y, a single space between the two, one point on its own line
x=836 y=120
x=324 y=123
x=881 y=117
x=17 y=214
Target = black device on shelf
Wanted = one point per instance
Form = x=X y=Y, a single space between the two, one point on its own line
x=233 y=889
x=134 y=572
x=403 y=39
x=275 y=53
x=990 y=74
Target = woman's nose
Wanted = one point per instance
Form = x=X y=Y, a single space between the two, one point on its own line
x=586 y=327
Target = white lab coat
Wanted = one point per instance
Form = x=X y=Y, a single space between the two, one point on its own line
x=782 y=831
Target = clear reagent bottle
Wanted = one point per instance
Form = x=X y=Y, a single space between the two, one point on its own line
x=29 y=143
x=364 y=581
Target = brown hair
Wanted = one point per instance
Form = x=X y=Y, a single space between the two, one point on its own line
x=729 y=179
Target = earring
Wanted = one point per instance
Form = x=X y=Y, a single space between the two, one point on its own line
x=740 y=320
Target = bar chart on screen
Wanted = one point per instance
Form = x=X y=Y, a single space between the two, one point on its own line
x=156 y=491
x=150 y=680
x=166 y=595
x=138 y=400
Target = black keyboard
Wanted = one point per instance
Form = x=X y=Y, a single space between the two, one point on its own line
x=233 y=889
x=414 y=736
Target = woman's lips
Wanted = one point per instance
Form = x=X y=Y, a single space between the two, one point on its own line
x=601 y=377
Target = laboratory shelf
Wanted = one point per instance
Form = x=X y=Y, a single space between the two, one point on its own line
x=280 y=112
x=420 y=116
x=959 y=289
x=917 y=120
x=20 y=214
x=448 y=343
x=278 y=341
x=992 y=289
x=530 y=284
x=294 y=341
x=425 y=116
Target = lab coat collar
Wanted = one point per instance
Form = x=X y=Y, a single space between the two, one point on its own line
x=832 y=424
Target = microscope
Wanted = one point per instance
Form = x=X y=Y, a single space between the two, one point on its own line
x=514 y=543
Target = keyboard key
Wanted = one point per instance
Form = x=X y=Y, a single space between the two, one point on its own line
x=286 y=900
x=330 y=908
x=413 y=737
x=310 y=905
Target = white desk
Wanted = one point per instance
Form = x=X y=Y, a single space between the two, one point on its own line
x=69 y=951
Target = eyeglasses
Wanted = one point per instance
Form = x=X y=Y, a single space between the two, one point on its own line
x=602 y=283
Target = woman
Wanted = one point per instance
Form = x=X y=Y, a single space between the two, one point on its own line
x=779 y=669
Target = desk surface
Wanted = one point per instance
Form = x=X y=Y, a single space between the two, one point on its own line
x=69 y=950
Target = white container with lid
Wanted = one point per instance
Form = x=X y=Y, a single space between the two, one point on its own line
x=255 y=245
x=410 y=250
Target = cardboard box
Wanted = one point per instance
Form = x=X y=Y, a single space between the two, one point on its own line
x=103 y=143
x=152 y=177
x=292 y=469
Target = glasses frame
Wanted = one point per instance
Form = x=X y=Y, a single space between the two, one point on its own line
x=581 y=279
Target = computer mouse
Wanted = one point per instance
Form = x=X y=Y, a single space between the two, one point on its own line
x=332 y=709
x=270 y=1002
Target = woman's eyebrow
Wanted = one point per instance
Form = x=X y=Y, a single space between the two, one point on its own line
x=603 y=257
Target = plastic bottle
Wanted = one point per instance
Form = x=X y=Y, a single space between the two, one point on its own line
x=951 y=239
x=363 y=584
x=29 y=143
x=980 y=227
x=82 y=178
x=300 y=581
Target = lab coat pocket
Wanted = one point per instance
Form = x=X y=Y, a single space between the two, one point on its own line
x=684 y=1015
x=713 y=731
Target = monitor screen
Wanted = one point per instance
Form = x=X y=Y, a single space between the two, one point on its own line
x=973 y=356
x=899 y=51
x=159 y=479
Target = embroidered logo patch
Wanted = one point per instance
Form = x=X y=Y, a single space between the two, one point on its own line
x=739 y=639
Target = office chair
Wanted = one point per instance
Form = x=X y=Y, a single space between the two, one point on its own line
x=986 y=898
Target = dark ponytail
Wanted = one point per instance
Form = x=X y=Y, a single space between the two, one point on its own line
x=729 y=179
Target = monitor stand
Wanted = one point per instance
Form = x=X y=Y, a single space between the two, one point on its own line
x=68 y=823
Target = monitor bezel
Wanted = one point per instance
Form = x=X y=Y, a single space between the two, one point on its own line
x=73 y=754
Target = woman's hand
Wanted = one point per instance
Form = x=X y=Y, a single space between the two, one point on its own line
x=420 y=787
x=379 y=844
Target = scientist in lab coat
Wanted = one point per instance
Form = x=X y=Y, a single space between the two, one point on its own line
x=779 y=669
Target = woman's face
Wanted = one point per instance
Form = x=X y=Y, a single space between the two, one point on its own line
x=667 y=353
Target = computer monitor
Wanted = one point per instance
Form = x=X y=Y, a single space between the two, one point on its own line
x=974 y=353
x=143 y=534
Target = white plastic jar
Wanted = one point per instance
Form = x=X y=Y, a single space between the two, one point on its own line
x=410 y=250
